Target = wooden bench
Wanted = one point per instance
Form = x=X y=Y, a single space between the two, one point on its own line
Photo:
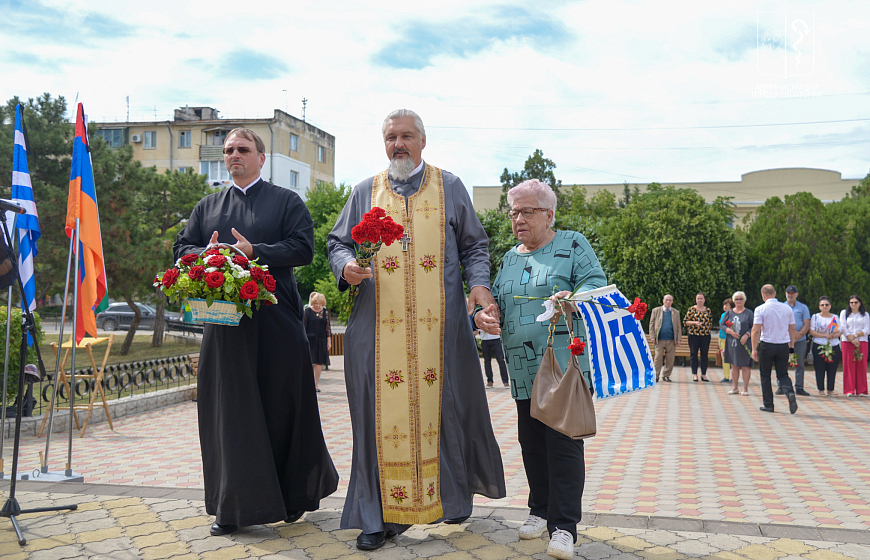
x=337 y=344
x=682 y=350
x=175 y=325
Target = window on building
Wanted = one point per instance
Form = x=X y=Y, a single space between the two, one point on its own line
x=321 y=154
x=216 y=171
x=219 y=137
x=184 y=139
x=294 y=143
x=150 y=139
x=183 y=169
x=294 y=179
x=114 y=137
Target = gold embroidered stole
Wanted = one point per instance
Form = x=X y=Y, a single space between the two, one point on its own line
x=409 y=357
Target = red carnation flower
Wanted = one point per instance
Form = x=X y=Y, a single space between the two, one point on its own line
x=258 y=273
x=269 y=282
x=729 y=324
x=170 y=277
x=189 y=259
x=216 y=260
x=196 y=272
x=249 y=290
x=391 y=231
x=638 y=308
x=214 y=279
x=241 y=261
x=375 y=213
x=577 y=347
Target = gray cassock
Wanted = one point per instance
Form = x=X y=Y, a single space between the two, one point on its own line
x=470 y=458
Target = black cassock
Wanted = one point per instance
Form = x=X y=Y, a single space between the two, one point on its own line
x=263 y=451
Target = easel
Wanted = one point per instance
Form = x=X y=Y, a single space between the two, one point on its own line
x=87 y=343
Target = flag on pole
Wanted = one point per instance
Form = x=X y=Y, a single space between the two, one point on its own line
x=27 y=224
x=82 y=206
x=617 y=347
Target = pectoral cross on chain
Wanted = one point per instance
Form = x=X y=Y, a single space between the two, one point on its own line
x=405 y=239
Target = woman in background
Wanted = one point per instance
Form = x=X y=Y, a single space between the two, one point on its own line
x=699 y=322
x=824 y=329
x=855 y=325
x=738 y=325
x=316 y=321
x=727 y=306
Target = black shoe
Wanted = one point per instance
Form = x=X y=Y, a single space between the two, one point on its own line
x=779 y=392
x=370 y=541
x=294 y=516
x=705 y=380
x=668 y=379
x=456 y=520
x=218 y=530
x=802 y=393
x=792 y=403
x=389 y=534
x=765 y=409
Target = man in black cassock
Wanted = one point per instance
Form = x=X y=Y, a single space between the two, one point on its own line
x=263 y=453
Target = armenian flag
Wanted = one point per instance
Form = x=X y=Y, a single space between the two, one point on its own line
x=82 y=206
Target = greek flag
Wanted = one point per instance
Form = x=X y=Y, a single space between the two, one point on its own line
x=617 y=347
x=27 y=224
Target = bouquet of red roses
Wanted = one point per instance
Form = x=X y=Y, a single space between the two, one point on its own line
x=219 y=275
x=375 y=230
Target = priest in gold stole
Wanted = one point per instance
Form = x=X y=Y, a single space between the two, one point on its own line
x=423 y=443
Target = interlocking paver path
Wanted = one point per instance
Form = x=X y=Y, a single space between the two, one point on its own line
x=681 y=470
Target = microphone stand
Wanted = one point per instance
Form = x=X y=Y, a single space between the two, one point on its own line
x=11 y=509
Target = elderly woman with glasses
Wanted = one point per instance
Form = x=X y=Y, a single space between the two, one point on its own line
x=544 y=263
x=855 y=324
x=738 y=326
x=825 y=330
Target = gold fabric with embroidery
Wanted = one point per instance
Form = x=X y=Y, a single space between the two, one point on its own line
x=409 y=357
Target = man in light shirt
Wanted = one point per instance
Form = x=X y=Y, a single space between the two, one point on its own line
x=773 y=337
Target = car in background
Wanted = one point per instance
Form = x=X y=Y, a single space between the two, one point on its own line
x=120 y=316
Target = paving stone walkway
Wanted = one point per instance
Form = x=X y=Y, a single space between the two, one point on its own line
x=681 y=470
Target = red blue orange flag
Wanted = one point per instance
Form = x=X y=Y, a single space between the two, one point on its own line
x=82 y=206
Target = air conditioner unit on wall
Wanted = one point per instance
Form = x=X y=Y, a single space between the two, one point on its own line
x=135 y=138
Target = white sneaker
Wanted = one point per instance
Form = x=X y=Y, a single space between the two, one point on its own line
x=561 y=545
x=533 y=528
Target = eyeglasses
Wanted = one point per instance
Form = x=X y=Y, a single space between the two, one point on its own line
x=527 y=212
x=242 y=150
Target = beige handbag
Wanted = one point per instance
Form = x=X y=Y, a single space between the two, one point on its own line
x=563 y=402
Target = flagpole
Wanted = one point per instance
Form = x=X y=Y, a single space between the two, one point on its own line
x=5 y=377
x=73 y=343
x=44 y=466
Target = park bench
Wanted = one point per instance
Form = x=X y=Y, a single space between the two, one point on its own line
x=682 y=350
x=176 y=325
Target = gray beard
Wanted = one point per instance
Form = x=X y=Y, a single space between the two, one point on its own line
x=401 y=168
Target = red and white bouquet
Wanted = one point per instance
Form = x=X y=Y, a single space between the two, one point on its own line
x=219 y=275
x=375 y=230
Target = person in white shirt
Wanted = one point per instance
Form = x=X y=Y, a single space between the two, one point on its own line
x=855 y=325
x=773 y=337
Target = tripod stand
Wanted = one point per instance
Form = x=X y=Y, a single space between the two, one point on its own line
x=11 y=509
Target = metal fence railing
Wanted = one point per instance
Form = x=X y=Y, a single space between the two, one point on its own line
x=119 y=380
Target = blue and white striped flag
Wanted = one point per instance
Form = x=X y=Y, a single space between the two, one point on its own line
x=27 y=224
x=617 y=347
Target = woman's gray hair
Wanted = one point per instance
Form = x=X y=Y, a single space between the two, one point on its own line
x=540 y=191
x=735 y=294
x=402 y=113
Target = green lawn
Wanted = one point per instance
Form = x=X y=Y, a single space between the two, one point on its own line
x=139 y=351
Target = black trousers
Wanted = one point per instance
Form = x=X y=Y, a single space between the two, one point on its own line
x=492 y=348
x=556 y=471
x=773 y=356
x=824 y=368
x=699 y=343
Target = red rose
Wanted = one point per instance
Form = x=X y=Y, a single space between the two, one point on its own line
x=269 y=282
x=156 y=279
x=211 y=252
x=266 y=302
x=189 y=259
x=258 y=273
x=216 y=261
x=638 y=308
x=577 y=347
x=241 y=261
x=249 y=290
x=214 y=279
x=196 y=272
x=170 y=277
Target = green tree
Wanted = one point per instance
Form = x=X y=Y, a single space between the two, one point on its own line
x=325 y=203
x=670 y=240
x=497 y=226
x=536 y=167
x=798 y=241
x=15 y=349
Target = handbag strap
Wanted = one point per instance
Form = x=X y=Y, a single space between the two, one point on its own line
x=555 y=319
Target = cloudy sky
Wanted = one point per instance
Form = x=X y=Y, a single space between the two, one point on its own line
x=612 y=91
